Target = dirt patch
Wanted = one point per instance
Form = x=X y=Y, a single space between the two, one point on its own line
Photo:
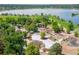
x=68 y=50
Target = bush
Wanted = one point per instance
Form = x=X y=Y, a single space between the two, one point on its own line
x=42 y=34
x=55 y=27
x=56 y=49
x=76 y=34
x=32 y=50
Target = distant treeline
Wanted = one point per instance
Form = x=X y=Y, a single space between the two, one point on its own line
x=22 y=6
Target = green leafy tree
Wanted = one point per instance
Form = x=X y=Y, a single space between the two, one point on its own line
x=71 y=26
x=56 y=49
x=68 y=30
x=11 y=20
x=32 y=50
x=76 y=34
x=55 y=27
x=14 y=43
x=22 y=20
x=1 y=47
x=31 y=27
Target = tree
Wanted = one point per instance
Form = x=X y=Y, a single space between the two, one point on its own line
x=4 y=25
x=68 y=29
x=32 y=50
x=55 y=27
x=45 y=20
x=22 y=20
x=76 y=34
x=31 y=27
x=71 y=25
x=2 y=36
x=42 y=34
x=11 y=20
x=56 y=49
x=14 y=43
x=1 y=47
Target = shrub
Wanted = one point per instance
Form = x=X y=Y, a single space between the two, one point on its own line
x=42 y=34
x=32 y=50
x=56 y=49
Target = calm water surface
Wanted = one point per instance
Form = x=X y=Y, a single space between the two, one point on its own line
x=62 y=13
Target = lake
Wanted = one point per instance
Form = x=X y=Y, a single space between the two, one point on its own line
x=62 y=13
